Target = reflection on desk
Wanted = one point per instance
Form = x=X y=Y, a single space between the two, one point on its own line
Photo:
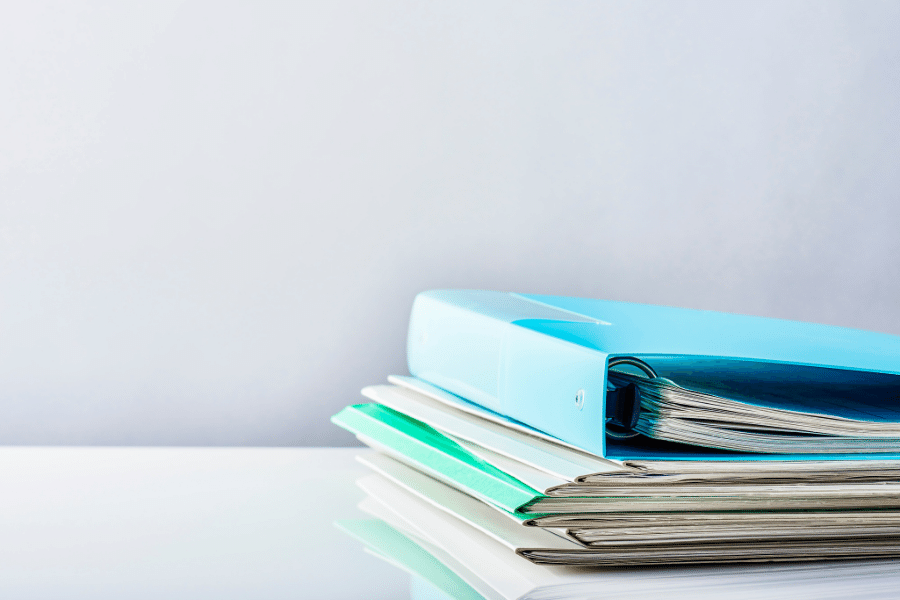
x=184 y=523
x=260 y=523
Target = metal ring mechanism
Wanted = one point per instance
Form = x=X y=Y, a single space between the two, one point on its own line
x=624 y=404
x=634 y=362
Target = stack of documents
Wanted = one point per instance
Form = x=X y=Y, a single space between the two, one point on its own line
x=755 y=471
x=553 y=504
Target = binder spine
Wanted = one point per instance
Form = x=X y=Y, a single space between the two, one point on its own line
x=469 y=343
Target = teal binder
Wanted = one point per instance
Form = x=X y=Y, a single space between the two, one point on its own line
x=543 y=361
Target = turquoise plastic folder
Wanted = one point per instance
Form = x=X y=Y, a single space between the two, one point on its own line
x=543 y=361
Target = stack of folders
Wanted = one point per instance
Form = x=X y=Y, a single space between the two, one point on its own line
x=539 y=435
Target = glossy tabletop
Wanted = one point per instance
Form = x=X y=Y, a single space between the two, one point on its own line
x=184 y=523
x=260 y=523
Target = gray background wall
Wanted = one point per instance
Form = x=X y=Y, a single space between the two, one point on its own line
x=214 y=216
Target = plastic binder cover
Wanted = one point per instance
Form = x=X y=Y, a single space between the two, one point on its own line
x=542 y=361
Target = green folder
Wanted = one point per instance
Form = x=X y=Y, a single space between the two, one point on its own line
x=432 y=452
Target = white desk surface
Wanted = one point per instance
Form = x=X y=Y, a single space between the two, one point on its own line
x=259 y=523
x=184 y=523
